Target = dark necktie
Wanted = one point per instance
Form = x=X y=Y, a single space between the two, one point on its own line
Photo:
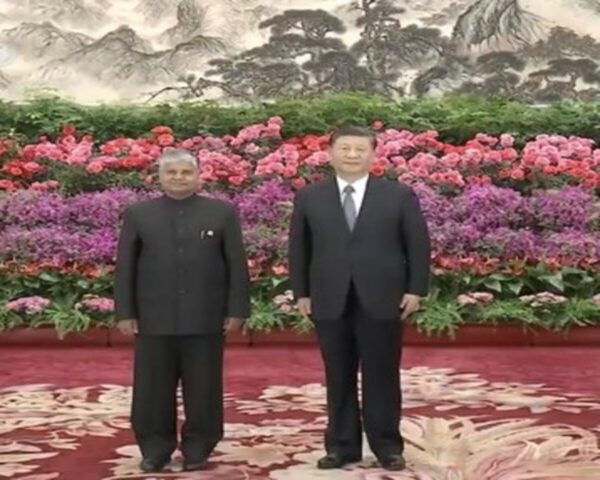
x=349 y=206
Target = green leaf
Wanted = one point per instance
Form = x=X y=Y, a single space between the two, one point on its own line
x=556 y=281
x=494 y=285
x=516 y=287
x=499 y=276
x=47 y=277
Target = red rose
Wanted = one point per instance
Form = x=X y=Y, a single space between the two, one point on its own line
x=236 y=180
x=378 y=170
x=32 y=167
x=289 y=171
x=578 y=172
x=132 y=161
x=298 y=183
x=165 y=139
x=68 y=130
x=14 y=171
x=161 y=129
x=551 y=170
x=7 y=185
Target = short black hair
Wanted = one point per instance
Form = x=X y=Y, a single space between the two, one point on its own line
x=351 y=131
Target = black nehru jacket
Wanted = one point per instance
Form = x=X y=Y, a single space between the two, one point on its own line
x=181 y=266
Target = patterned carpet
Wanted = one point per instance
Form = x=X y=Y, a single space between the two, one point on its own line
x=470 y=414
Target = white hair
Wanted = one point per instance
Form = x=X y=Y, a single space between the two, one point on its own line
x=176 y=155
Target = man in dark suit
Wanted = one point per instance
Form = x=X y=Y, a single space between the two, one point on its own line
x=181 y=284
x=359 y=262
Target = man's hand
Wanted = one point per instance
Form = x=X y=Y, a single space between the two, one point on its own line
x=304 y=307
x=128 y=327
x=409 y=305
x=232 y=324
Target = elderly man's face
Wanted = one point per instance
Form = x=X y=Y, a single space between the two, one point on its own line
x=351 y=156
x=179 y=179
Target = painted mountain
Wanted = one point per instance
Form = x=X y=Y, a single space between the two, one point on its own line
x=119 y=56
x=43 y=41
x=164 y=50
x=66 y=13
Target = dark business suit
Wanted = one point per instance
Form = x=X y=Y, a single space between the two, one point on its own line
x=356 y=280
x=181 y=270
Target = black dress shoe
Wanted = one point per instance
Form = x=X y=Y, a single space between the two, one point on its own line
x=334 y=460
x=150 y=465
x=192 y=466
x=393 y=462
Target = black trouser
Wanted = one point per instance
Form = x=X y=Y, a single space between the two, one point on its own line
x=160 y=362
x=375 y=345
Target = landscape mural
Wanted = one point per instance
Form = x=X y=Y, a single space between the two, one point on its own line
x=537 y=51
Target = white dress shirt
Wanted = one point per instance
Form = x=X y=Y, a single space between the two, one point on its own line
x=360 y=187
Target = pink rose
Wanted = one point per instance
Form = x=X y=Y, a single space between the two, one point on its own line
x=506 y=140
x=298 y=183
x=95 y=167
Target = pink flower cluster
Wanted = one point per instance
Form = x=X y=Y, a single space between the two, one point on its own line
x=97 y=304
x=28 y=305
x=475 y=298
x=542 y=299
x=285 y=302
x=231 y=168
x=258 y=152
x=66 y=149
x=423 y=157
x=270 y=130
x=230 y=159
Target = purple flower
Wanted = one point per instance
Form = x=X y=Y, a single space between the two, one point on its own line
x=506 y=243
x=267 y=203
x=492 y=221
x=454 y=238
x=435 y=207
x=99 y=209
x=58 y=245
x=102 y=209
x=28 y=208
x=265 y=212
x=573 y=244
x=489 y=207
x=566 y=208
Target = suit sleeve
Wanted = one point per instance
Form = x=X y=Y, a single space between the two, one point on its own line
x=417 y=244
x=125 y=273
x=299 y=250
x=238 y=303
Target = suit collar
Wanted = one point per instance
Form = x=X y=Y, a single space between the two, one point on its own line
x=179 y=201
x=360 y=184
x=334 y=203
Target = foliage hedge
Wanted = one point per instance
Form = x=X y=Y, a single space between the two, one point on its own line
x=456 y=118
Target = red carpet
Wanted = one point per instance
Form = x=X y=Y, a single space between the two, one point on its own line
x=470 y=414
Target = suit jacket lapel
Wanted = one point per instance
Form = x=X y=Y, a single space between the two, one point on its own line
x=369 y=203
x=367 y=209
x=334 y=203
